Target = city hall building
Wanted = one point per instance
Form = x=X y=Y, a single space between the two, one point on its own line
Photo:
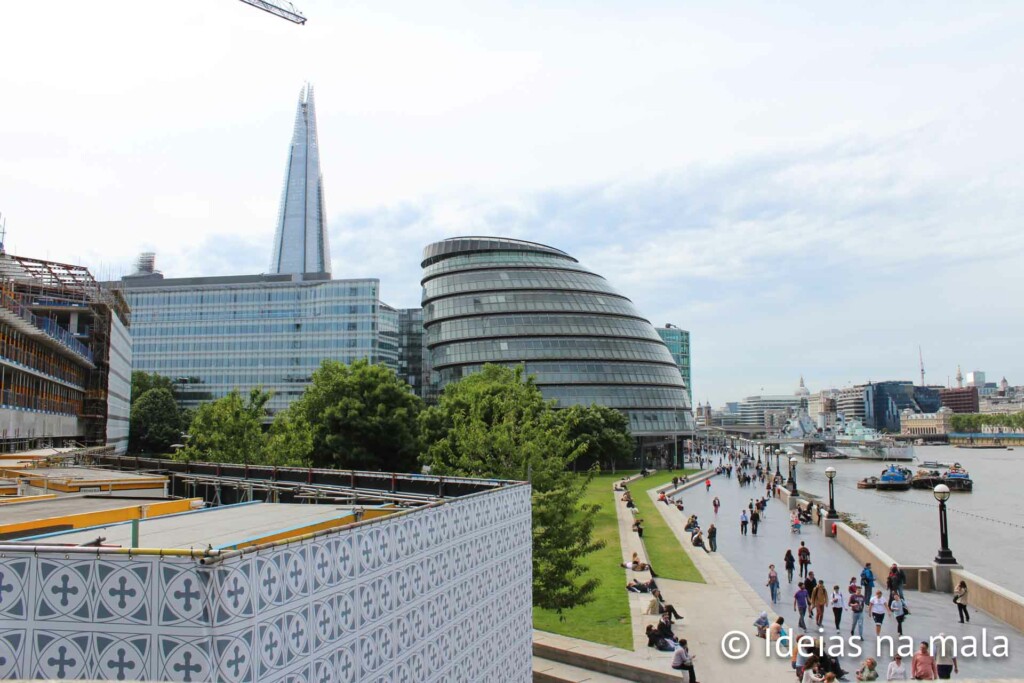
x=512 y=302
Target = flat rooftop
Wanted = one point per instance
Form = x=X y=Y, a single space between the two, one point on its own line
x=223 y=527
x=61 y=506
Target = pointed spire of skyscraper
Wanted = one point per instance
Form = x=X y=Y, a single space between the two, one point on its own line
x=300 y=244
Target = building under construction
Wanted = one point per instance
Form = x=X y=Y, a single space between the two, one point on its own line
x=65 y=357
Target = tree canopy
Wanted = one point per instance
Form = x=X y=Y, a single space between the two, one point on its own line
x=603 y=431
x=362 y=416
x=144 y=381
x=973 y=422
x=496 y=423
x=155 y=422
x=229 y=429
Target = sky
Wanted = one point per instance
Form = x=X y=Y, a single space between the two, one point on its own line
x=810 y=188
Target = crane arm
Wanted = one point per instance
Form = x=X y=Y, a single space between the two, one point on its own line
x=285 y=10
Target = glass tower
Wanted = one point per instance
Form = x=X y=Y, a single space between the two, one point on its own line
x=510 y=302
x=678 y=343
x=300 y=244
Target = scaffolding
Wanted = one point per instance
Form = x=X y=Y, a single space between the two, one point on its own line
x=75 y=313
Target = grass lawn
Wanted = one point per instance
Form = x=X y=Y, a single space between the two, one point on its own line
x=663 y=549
x=606 y=619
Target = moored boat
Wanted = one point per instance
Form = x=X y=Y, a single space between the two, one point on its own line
x=867 y=483
x=894 y=479
x=958 y=479
x=926 y=479
x=933 y=464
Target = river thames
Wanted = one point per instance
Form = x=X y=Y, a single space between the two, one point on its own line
x=986 y=527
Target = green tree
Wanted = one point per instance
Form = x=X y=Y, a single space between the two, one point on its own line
x=605 y=433
x=144 y=381
x=289 y=441
x=154 y=423
x=363 y=417
x=229 y=429
x=495 y=423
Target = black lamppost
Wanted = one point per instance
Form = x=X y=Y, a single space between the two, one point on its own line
x=945 y=556
x=792 y=476
x=830 y=472
x=778 y=464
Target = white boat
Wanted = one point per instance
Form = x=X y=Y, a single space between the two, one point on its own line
x=854 y=440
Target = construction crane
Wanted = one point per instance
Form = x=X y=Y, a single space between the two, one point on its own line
x=285 y=10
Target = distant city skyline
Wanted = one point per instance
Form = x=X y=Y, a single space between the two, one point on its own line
x=805 y=192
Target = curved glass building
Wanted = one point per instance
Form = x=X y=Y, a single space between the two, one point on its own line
x=506 y=301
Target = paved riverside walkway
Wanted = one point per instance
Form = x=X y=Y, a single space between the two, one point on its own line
x=749 y=556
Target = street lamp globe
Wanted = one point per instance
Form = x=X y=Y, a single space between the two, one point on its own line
x=830 y=472
x=941 y=493
x=793 y=461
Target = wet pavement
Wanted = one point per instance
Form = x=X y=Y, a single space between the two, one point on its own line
x=931 y=613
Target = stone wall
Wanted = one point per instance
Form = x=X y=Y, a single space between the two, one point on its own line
x=982 y=594
x=436 y=594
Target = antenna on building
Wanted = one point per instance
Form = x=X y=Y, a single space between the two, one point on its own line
x=920 y=357
x=3 y=234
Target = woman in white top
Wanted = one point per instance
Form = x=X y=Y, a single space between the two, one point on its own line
x=838 y=599
x=897 y=670
x=878 y=607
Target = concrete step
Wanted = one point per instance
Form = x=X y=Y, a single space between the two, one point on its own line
x=620 y=665
x=547 y=671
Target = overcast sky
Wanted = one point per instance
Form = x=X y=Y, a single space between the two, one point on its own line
x=809 y=188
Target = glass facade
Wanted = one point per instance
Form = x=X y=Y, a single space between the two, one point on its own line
x=212 y=335
x=678 y=343
x=510 y=302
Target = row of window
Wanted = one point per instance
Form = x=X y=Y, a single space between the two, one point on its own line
x=183 y=313
x=526 y=301
x=264 y=345
x=22 y=390
x=643 y=422
x=619 y=396
x=499 y=259
x=289 y=292
x=540 y=325
x=461 y=283
x=551 y=348
x=213 y=328
x=18 y=348
x=582 y=373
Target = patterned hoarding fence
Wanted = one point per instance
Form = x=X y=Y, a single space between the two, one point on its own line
x=439 y=594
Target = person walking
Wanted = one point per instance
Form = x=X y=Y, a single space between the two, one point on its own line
x=713 y=538
x=800 y=601
x=804 y=555
x=896 y=580
x=837 y=601
x=945 y=658
x=878 y=609
x=897 y=610
x=867 y=580
x=773 y=583
x=897 y=670
x=707 y=485
x=755 y=520
x=790 y=562
x=819 y=598
x=856 y=605
x=717 y=504
x=744 y=520
x=960 y=600
x=922 y=667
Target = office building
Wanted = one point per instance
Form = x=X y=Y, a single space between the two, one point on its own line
x=963 y=400
x=65 y=358
x=766 y=411
x=212 y=335
x=678 y=343
x=300 y=243
x=884 y=402
x=850 y=402
x=975 y=378
x=413 y=362
x=360 y=588
x=510 y=302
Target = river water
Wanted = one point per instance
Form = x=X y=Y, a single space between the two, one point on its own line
x=986 y=527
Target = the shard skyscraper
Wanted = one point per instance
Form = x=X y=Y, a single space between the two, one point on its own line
x=300 y=245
